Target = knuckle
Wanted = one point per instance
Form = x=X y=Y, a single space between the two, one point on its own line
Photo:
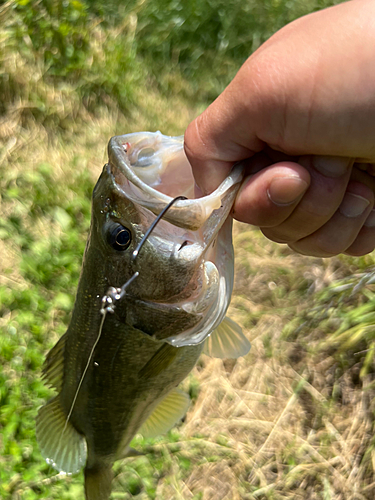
x=311 y=251
x=329 y=247
x=273 y=235
x=318 y=246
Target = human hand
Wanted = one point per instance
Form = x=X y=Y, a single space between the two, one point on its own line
x=301 y=113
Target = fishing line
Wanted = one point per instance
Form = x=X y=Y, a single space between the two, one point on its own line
x=84 y=371
x=109 y=303
x=107 y=299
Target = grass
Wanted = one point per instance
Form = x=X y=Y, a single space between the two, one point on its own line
x=294 y=419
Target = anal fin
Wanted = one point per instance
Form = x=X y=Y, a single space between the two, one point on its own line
x=227 y=341
x=60 y=444
x=168 y=412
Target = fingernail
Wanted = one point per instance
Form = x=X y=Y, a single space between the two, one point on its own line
x=353 y=205
x=331 y=166
x=286 y=190
x=370 y=221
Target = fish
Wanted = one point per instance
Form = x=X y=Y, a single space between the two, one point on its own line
x=117 y=368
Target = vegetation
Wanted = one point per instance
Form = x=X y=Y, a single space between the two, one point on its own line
x=292 y=420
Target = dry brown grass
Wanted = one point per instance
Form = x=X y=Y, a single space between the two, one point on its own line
x=272 y=427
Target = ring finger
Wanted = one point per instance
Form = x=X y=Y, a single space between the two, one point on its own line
x=341 y=231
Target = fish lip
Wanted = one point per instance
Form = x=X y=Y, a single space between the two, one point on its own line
x=190 y=213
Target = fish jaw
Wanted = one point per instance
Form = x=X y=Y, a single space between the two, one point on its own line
x=152 y=183
x=216 y=308
x=186 y=265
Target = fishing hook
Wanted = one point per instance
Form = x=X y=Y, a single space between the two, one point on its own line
x=153 y=225
x=113 y=294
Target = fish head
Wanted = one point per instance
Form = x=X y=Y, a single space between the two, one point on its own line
x=185 y=265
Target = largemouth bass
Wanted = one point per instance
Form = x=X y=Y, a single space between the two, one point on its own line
x=117 y=374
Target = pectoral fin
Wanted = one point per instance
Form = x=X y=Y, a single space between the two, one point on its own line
x=227 y=341
x=159 y=361
x=53 y=368
x=59 y=442
x=168 y=412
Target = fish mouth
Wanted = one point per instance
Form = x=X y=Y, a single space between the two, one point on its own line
x=150 y=170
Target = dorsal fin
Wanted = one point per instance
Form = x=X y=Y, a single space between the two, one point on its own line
x=60 y=444
x=227 y=341
x=168 y=412
x=53 y=367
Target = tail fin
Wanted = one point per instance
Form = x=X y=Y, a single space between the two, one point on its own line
x=98 y=482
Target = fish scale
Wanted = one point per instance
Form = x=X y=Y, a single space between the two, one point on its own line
x=120 y=400
x=116 y=374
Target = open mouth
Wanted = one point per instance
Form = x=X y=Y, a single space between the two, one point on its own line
x=152 y=169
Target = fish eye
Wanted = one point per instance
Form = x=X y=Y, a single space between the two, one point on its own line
x=119 y=238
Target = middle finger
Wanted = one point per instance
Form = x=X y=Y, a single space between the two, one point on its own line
x=329 y=180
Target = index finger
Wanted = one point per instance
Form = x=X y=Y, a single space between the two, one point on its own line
x=217 y=139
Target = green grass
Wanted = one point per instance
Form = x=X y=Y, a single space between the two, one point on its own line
x=294 y=419
x=86 y=55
